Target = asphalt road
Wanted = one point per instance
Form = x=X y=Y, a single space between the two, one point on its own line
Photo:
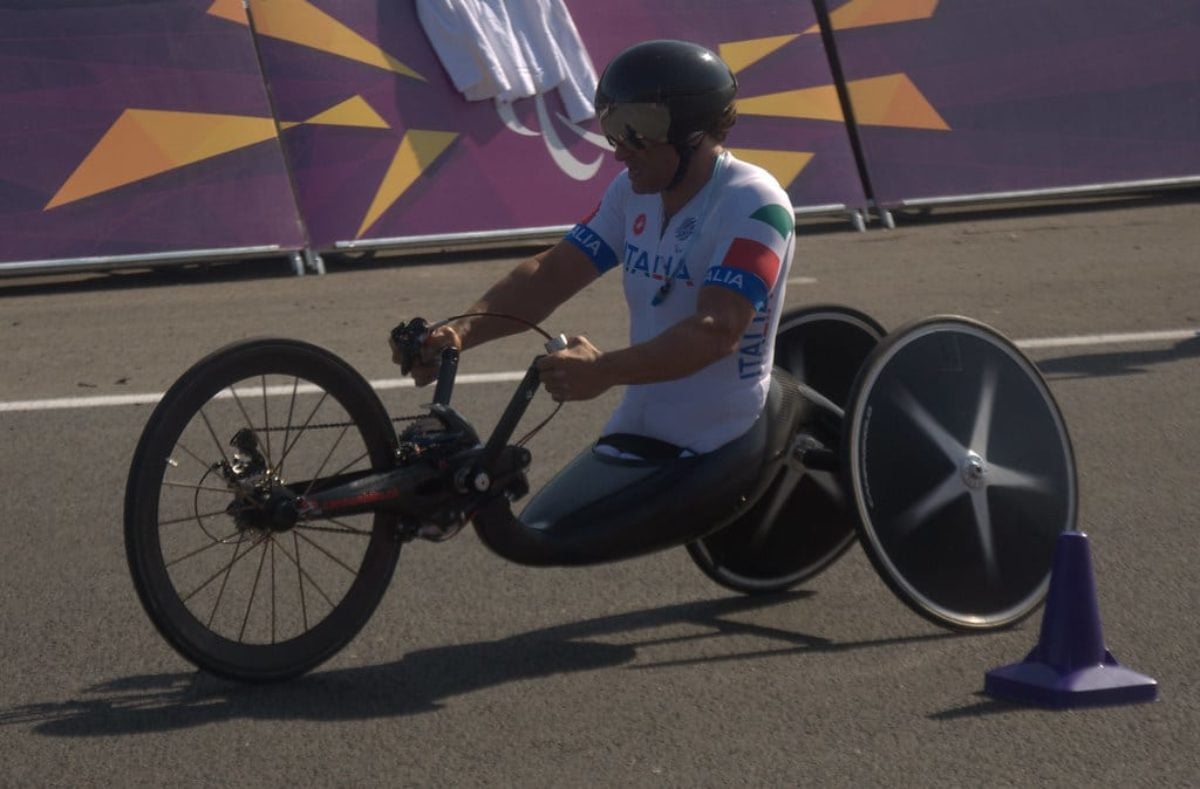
x=643 y=673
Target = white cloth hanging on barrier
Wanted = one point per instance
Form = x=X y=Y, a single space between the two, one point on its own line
x=511 y=49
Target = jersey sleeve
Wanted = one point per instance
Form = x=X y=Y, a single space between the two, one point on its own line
x=601 y=235
x=751 y=262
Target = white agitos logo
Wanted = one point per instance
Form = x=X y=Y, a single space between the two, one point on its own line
x=566 y=161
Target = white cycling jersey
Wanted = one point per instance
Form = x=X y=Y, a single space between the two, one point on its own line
x=738 y=233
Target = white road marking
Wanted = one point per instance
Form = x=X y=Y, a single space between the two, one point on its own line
x=1110 y=339
x=53 y=404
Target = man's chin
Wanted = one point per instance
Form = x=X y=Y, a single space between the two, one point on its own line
x=642 y=187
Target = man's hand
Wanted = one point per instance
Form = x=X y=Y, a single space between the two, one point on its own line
x=575 y=373
x=425 y=366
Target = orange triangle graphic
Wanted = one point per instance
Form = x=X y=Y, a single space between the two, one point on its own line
x=144 y=143
x=893 y=100
x=819 y=103
x=233 y=10
x=740 y=54
x=786 y=166
x=354 y=111
x=300 y=22
x=418 y=150
x=866 y=13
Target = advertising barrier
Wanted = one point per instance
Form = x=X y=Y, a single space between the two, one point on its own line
x=134 y=132
x=164 y=131
x=394 y=151
x=998 y=98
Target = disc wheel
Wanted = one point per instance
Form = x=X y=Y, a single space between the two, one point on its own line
x=237 y=591
x=960 y=472
x=801 y=525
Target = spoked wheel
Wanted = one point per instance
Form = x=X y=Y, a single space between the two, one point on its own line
x=960 y=472
x=801 y=525
x=233 y=583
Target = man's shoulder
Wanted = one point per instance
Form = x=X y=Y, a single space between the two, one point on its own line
x=754 y=193
x=754 y=184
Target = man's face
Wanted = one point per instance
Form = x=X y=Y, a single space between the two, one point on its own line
x=637 y=131
x=651 y=167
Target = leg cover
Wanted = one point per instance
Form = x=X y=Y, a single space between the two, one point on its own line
x=602 y=509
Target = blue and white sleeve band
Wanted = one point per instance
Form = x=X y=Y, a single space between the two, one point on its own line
x=596 y=248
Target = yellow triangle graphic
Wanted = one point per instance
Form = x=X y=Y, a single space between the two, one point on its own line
x=740 y=54
x=820 y=103
x=300 y=22
x=866 y=13
x=784 y=165
x=354 y=111
x=417 y=151
x=144 y=143
x=233 y=10
x=893 y=100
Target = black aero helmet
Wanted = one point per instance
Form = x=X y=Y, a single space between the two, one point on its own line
x=664 y=91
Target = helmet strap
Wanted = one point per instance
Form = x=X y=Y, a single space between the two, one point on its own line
x=685 y=149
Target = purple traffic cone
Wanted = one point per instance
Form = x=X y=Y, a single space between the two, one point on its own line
x=1070 y=666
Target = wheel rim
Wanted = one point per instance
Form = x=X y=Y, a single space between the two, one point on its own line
x=961 y=473
x=823 y=346
x=232 y=581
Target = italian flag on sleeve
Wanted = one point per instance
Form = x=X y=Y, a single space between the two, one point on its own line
x=753 y=260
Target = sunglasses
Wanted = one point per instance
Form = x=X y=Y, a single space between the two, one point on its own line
x=635 y=125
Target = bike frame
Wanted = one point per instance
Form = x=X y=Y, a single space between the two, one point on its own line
x=432 y=482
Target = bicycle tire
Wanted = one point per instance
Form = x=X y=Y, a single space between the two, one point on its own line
x=210 y=398
x=822 y=346
x=960 y=473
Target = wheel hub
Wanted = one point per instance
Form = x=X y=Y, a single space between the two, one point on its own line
x=974 y=471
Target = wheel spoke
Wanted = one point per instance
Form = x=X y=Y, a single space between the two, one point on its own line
x=329 y=555
x=254 y=590
x=981 y=433
x=942 y=439
x=950 y=489
x=791 y=478
x=299 y=579
x=287 y=427
x=300 y=432
x=983 y=525
x=1002 y=477
x=198 y=551
x=199 y=516
x=236 y=558
x=213 y=433
x=203 y=463
x=325 y=460
x=312 y=485
x=267 y=423
x=343 y=528
x=194 y=486
x=306 y=575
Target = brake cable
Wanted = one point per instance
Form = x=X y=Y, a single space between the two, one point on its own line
x=529 y=325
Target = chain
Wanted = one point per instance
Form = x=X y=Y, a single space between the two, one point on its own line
x=328 y=425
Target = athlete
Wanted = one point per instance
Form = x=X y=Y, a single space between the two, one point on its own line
x=703 y=243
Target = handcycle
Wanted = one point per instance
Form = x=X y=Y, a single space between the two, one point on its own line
x=271 y=492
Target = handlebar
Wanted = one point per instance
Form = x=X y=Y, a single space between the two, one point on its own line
x=408 y=338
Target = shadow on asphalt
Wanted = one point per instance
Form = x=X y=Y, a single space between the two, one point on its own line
x=421 y=680
x=1101 y=365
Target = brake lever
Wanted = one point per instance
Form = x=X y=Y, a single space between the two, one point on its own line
x=407 y=339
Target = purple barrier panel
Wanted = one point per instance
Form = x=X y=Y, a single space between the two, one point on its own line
x=136 y=129
x=979 y=97
x=385 y=149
